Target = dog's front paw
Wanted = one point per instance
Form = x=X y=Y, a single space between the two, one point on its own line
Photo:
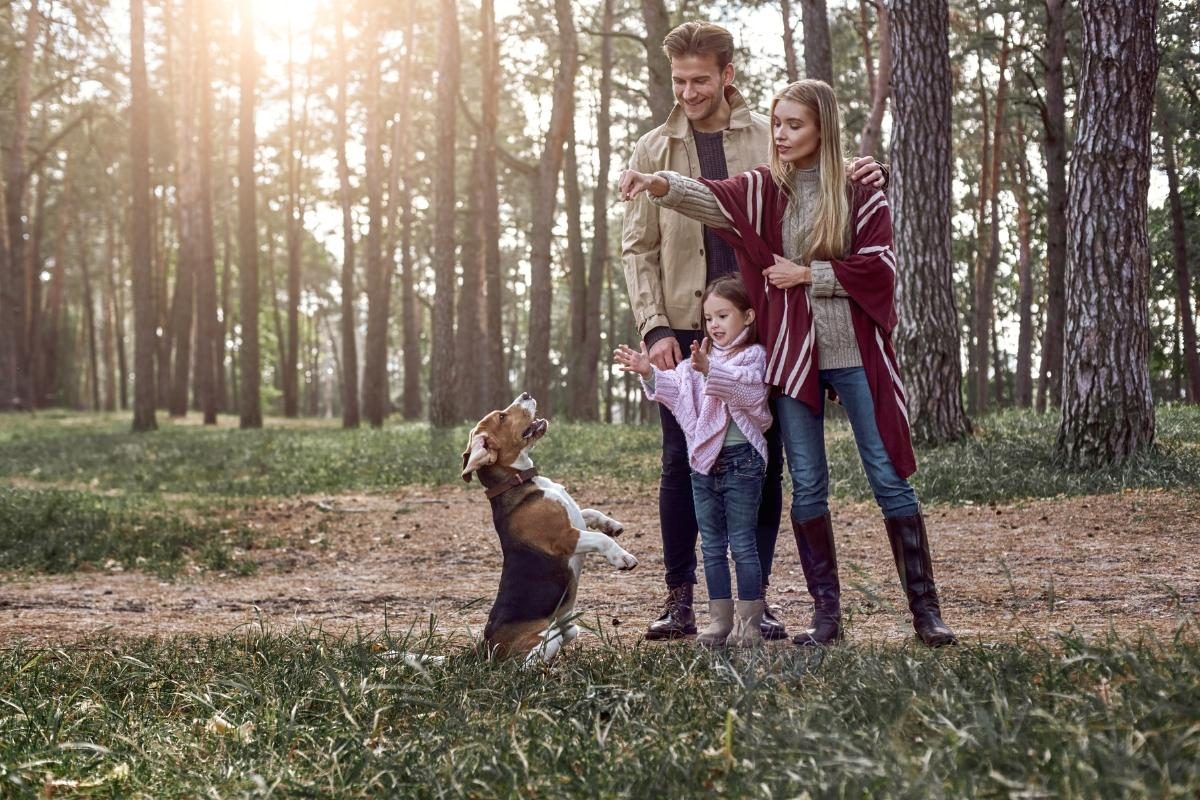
x=622 y=559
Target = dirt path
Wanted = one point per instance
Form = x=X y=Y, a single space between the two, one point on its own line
x=1128 y=560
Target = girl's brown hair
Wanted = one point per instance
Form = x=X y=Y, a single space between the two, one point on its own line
x=731 y=288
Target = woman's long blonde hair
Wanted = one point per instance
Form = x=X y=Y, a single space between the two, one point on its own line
x=827 y=238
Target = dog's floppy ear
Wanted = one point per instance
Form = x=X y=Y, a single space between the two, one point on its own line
x=477 y=455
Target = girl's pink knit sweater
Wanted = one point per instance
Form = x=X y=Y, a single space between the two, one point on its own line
x=734 y=389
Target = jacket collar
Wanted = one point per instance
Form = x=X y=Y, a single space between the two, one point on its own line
x=678 y=127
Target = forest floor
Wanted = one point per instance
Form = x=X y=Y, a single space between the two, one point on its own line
x=1125 y=562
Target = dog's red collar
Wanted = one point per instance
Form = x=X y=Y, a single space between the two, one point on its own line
x=512 y=482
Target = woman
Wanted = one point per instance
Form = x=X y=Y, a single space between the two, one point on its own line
x=816 y=254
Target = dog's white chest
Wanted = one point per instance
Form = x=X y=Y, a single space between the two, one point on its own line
x=555 y=491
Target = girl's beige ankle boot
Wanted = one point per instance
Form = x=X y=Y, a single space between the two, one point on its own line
x=720 y=623
x=747 y=628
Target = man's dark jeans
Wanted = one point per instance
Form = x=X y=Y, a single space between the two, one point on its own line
x=677 y=510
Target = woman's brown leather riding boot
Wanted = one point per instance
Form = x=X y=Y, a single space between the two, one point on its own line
x=910 y=548
x=818 y=557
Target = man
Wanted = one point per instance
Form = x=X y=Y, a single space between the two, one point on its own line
x=669 y=259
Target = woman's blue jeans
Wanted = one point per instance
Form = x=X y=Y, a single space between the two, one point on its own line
x=803 y=434
x=727 y=512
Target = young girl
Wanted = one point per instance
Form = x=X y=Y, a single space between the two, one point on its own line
x=720 y=401
x=816 y=254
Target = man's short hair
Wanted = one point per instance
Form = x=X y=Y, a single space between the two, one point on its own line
x=700 y=38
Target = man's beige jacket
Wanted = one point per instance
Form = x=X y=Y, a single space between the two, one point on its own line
x=662 y=250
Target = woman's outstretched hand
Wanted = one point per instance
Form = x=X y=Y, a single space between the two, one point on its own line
x=632 y=360
x=784 y=274
x=700 y=361
x=633 y=183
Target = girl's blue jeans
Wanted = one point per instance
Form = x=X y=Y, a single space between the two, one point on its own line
x=803 y=434
x=727 y=513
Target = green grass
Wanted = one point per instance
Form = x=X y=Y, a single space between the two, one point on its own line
x=334 y=717
x=1011 y=457
x=55 y=531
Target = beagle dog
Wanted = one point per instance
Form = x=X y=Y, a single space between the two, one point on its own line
x=544 y=536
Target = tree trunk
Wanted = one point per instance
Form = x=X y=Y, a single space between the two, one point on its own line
x=927 y=334
x=468 y=333
x=408 y=301
x=16 y=383
x=162 y=306
x=1108 y=410
x=1183 y=281
x=985 y=276
x=576 y=263
x=186 y=211
x=83 y=241
x=497 y=392
x=47 y=378
x=144 y=387
x=375 y=384
x=545 y=195
x=790 y=62
x=599 y=254
x=33 y=293
x=295 y=227
x=107 y=303
x=251 y=408
x=1023 y=392
x=443 y=410
x=658 y=83
x=1050 y=373
x=116 y=293
x=350 y=410
x=869 y=143
x=208 y=333
x=818 y=54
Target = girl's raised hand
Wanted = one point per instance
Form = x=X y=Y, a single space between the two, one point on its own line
x=633 y=361
x=700 y=361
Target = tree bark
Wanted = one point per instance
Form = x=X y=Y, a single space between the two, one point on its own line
x=375 y=384
x=927 y=335
x=599 y=253
x=1023 y=391
x=497 y=392
x=790 y=62
x=409 y=309
x=88 y=306
x=186 y=211
x=350 y=408
x=985 y=276
x=33 y=293
x=872 y=130
x=468 y=333
x=1183 y=281
x=818 y=54
x=16 y=384
x=544 y=200
x=208 y=333
x=1108 y=410
x=443 y=410
x=295 y=226
x=658 y=83
x=577 y=265
x=143 y=279
x=107 y=302
x=1050 y=372
x=251 y=407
